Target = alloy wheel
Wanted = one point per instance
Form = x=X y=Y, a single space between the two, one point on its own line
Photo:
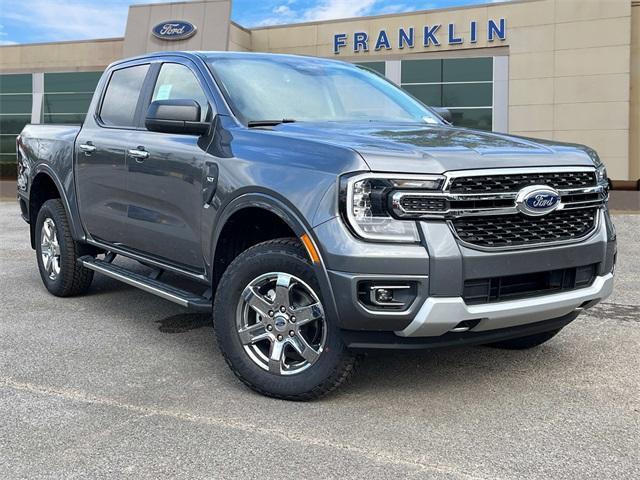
x=281 y=323
x=50 y=248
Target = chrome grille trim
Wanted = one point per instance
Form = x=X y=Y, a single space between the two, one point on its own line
x=449 y=213
x=503 y=203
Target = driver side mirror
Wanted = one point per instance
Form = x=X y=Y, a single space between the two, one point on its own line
x=444 y=113
x=175 y=116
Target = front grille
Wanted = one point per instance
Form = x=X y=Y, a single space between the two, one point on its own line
x=515 y=182
x=519 y=230
x=513 y=287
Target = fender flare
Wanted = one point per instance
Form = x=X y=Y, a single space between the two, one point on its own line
x=293 y=219
x=44 y=169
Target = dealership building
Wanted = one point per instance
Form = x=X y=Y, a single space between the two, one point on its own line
x=565 y=70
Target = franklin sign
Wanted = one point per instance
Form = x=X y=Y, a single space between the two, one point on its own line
x=174 y=30
x=425 y=37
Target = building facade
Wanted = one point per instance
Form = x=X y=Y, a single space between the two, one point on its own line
x=565 y=70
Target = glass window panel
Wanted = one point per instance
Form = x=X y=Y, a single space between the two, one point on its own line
x=427 y=94
x=67 y=103
x=479 y=118
x=8 y=144
x=69 y=118
x=71 y=81
x=13 y=124
x=361 y=100
x=177 y=82
x=421 y=71
x=379 y=67
x=15 y=104
x=121 y=99
x=16 y=83
x=467 y=95
x=467 y=69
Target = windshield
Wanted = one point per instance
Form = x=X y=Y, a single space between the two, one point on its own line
x=306 y=89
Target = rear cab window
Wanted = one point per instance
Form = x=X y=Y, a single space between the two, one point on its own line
x=121 y=97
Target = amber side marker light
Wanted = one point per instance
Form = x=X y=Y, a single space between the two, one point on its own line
x=311 y=250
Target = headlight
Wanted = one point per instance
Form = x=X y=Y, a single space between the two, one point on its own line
x=601 y=175
x=365 y=203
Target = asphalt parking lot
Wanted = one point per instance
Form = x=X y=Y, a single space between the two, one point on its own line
x=122 y=384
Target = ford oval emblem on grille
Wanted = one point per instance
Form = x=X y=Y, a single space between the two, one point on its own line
x=537 y=200
x=174 y=30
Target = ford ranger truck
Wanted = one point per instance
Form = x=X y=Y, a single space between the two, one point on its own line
x=317 y=210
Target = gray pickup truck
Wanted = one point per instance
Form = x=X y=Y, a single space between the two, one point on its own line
x=318 y=210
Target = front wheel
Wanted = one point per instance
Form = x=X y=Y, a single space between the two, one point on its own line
x=272 y=327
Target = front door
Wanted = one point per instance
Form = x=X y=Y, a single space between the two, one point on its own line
x=165 y=178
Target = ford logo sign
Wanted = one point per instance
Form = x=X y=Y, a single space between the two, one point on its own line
x=174 y=30
x=537 y=200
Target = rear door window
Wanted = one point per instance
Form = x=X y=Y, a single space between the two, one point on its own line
x=121 y=98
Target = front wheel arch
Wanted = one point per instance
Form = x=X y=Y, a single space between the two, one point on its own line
x=289 y=217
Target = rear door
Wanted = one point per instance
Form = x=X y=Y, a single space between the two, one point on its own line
x=101 y=173
x=166 y=174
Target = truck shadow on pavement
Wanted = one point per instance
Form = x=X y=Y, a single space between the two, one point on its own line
x=184 y=322
x=410 y=373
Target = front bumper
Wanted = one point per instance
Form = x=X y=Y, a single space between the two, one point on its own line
x=439 y=315
x=439 y=268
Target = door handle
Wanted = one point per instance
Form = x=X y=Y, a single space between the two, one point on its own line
x=139 y=154
x=87 y=147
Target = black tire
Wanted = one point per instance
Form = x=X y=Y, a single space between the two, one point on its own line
x=523 y=343
x=335 y=363
x=72 y=279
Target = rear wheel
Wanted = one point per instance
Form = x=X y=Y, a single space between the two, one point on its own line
x=272 y=327
x=57 y=253
x=524 y=343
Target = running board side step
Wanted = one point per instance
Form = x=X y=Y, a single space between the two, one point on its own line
x=176 y=295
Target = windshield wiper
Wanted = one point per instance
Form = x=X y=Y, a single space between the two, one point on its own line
x=269 y=123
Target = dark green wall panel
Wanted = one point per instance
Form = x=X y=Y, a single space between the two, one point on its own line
x=16 y=83
x=66 y=103
x=71 y=81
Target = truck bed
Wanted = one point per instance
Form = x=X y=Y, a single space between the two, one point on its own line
x=46 y=147
x=49 y=143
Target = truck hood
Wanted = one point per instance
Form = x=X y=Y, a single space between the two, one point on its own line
x=421 y=148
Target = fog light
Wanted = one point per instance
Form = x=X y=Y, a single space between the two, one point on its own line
x=384 y=295
x=390 y=295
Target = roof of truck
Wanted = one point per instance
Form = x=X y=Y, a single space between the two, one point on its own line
x=202 y=55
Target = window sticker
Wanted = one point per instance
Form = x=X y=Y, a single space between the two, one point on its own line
x=164 y=92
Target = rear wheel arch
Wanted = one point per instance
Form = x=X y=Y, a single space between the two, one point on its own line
x=46 y=185
x=43 y=188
